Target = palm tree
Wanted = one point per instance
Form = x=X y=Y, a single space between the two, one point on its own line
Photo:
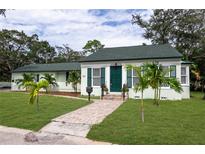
x=35 y=88
x=157 y=77
x=153 y=72
x=51 y=80
x=74 y=78
x=26 y=78
x=142 y=84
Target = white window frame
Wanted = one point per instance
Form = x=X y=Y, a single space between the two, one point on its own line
x=95 y=76
x=185 y=75
x=168 y=75
x=133 y=78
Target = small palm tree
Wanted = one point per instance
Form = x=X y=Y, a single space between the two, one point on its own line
x=74 y=78
x=51 y=80
x=142 y=84
x=26 y=78
x=35 y=88
x=157 y=77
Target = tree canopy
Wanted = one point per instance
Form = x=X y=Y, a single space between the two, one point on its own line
x=92 y=46
x=184 y=29
x=18 y=49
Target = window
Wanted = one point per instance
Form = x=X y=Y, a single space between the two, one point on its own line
x=183 y=75
x=135 y=78
x=173 y=71
x=96 y=76
x=166 y=70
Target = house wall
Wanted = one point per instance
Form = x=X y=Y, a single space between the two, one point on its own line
x=186 y=87
x=166 y=92
x=60 y=79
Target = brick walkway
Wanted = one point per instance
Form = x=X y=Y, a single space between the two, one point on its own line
x=79 y=122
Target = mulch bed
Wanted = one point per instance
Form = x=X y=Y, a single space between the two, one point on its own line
x=74 y=94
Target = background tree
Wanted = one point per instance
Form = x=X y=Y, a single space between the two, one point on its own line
x=67 y=54
x=3 y=12
x=51 y=81
x=183 y=29
x=141 y=85
x=74 y=78
x=26 y=78
x=35 y=89
x=18 y=49
x=92 y=46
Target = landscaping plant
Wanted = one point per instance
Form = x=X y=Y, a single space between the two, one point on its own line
x=51 y=81
x=35 y=89
x=74 y=78
x=26 y=78
x=141 y=85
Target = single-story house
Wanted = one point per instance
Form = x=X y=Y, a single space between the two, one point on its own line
x=108 y=66
x=59 y=70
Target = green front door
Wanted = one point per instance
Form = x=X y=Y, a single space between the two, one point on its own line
x=115 y=78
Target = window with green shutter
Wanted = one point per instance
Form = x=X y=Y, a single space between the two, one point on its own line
x=173 y=71
x=129 y=78
x=102 y=76
x=89 y=77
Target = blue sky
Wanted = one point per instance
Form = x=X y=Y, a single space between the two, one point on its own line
x=76 y=27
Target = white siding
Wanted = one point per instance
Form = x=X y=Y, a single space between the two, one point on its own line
x=166 y=92
x=60 y=79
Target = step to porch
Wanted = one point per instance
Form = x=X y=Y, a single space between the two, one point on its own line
x=113 y=97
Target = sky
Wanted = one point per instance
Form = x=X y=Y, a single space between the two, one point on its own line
x=75 y=27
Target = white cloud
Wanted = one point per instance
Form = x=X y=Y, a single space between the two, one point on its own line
x=76 y=27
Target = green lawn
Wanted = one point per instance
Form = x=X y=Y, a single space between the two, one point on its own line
x=16 y=112
x=173 y=122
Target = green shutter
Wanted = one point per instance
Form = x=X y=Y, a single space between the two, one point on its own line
x=102 y=76
x=129 y=78
x=173 y=71
x=89 y=77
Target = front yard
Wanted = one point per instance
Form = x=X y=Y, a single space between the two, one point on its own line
x=173 y=122
x=16 y=112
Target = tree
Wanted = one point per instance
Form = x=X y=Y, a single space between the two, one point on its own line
x=92 y=46
x=183 y=29
x=51 y=80
x=35 y=88
x=41 y=51
x=157 y=77
x=18 y=49
x=67 y=54
x=74 y=78
x=26 y=78
x=142 y=84
x=2 y=12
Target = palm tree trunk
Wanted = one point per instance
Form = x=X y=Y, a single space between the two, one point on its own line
x=159 y=95
x=37 y=103
x=142 y=107
x=155 y=96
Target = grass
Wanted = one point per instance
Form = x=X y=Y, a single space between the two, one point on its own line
x=16 y=112
x=173 y=122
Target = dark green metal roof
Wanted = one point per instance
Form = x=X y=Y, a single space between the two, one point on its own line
x=55 y=67
x=134 y=53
